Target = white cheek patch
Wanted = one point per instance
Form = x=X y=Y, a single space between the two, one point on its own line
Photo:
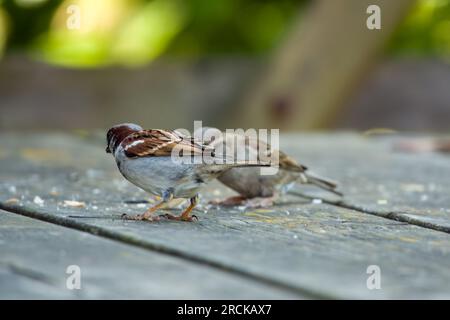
x=134 y=143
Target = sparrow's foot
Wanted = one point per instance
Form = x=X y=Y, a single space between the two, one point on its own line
x=230 y=202
x=260 y=202
x=140 y=217
x=180 y=218
x=185 y=215
x=149 y=215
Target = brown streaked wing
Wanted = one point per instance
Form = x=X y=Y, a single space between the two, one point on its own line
x=157 y=143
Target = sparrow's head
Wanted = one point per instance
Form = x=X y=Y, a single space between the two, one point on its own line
x=119 y=132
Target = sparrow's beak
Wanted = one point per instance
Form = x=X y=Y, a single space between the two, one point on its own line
x=107 y=150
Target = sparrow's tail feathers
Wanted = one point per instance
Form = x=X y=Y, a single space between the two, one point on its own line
x=323 y=183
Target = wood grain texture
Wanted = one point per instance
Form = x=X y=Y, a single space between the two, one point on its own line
x=378 y=179
x=35 y=256
x=297 y=247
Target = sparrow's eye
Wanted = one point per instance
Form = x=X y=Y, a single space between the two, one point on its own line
x=107 y=150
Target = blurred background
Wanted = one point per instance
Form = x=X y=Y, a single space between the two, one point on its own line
x=289 y=64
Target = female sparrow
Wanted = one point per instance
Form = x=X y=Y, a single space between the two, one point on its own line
x=145 y=158
x=251 y=185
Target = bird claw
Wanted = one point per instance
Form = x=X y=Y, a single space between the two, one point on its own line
x=125 y=216
x=257 y=202
x=260 y=202
x=179 y=218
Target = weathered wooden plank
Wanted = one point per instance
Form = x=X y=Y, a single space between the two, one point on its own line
x=18 y=284
x=377 y=179
x=35 y=256
x=318 y=249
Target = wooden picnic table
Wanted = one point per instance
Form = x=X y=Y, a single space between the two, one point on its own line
x=61 y=197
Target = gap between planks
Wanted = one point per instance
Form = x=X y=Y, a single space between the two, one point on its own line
x=396 y=216
x=130 y=240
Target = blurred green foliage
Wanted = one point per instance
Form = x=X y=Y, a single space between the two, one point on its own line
x=134 y=32
x=234 y=26
x=425 y=31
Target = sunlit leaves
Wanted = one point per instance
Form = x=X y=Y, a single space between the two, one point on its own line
x=3 y=29
x=110 y=32
x=425 y=31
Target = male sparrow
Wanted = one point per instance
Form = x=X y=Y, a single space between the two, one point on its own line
x=145 y=158
x=251 y=185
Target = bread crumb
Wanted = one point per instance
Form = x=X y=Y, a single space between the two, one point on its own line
x=12 y=200
x=38 y=200
x=75 y=204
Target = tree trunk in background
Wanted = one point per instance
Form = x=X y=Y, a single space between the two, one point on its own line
x=316 y=68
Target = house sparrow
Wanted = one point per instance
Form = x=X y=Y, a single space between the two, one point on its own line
x=144 y=157
x=259 y=190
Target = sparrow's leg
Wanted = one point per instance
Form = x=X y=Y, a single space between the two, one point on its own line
x=185 y=215
x=148 y=215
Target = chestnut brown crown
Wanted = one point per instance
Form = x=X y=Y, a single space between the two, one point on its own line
x=118 y=133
